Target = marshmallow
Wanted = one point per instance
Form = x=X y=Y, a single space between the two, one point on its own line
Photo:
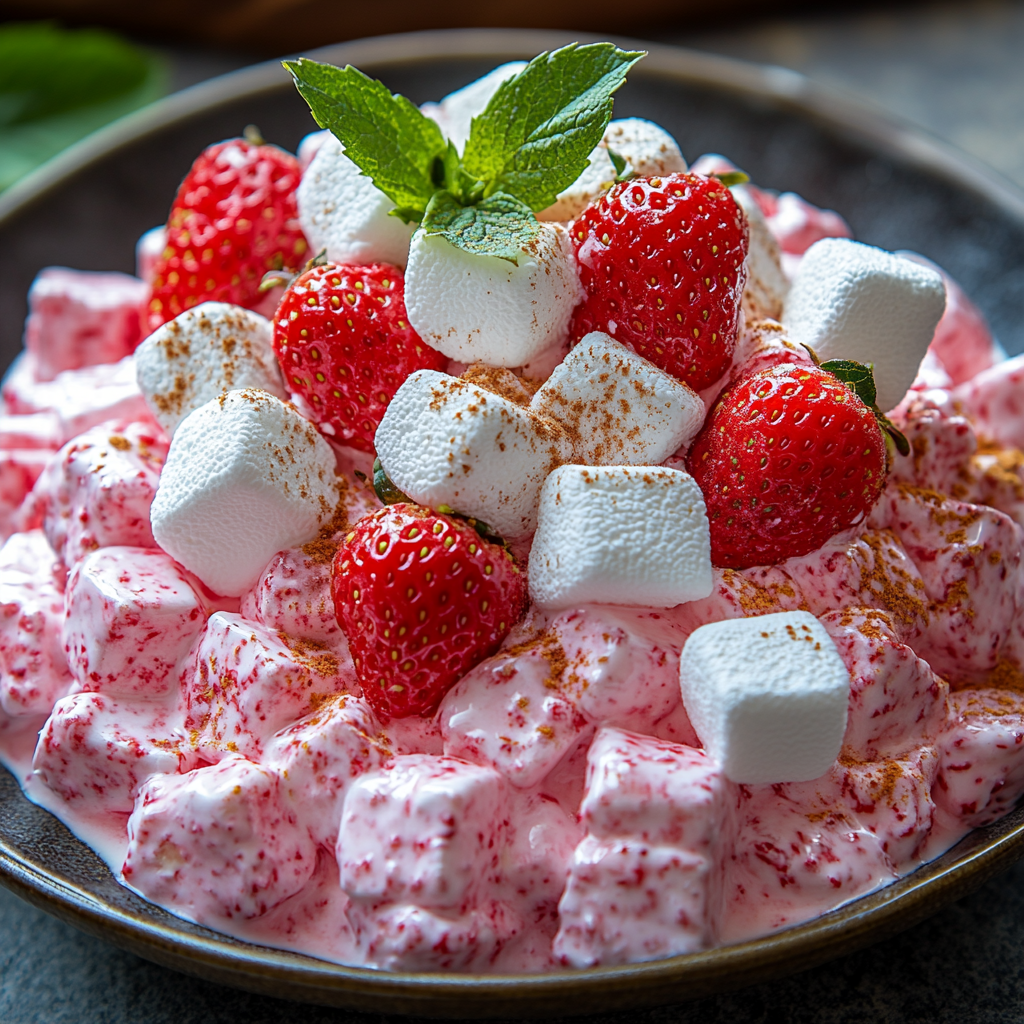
x=100 y=752
x=852 y=301
x=245 y=682
x=648 y=150
x=217 y=842
x=97 y=490
x=618 y=408
x=634 y=535
x=309 y=146
x=342 y=211
x=202 y=353
x=484 y=309
x=445 y=441
x=767 y=696
x=456 y=111
x=320 y=755
x=33 y=668
x=80 y=318
x=245 y=476
x=766 y=286
x=148 y=249
x=131 y=617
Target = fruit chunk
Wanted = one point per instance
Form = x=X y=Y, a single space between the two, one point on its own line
x=662 y=263
x=343 y=340
x=422 y=598
x=233 y=219
x=788 y=457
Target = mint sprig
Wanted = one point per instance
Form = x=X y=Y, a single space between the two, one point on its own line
x=532 y=141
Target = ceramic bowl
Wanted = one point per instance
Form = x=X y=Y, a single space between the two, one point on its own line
x=897 y=187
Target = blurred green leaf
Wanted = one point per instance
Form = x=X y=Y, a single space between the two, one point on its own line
x=57 y=86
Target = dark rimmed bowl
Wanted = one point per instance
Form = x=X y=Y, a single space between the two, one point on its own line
x=897 y=187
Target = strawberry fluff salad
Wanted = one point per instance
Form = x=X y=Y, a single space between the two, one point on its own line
x=485 y=543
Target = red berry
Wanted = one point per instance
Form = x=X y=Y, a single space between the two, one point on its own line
x=344 y=344
x=422 y=598
x=787 y=458
x=233 y=219
x=662 y=262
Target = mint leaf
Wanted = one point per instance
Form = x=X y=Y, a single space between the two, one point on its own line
x=499 y=225
x=386 y=136
x=540 y=127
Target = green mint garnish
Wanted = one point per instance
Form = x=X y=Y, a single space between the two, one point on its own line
x=532 y=141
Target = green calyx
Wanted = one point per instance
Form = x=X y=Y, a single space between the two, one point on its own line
x=860 y=379
x=532 y=141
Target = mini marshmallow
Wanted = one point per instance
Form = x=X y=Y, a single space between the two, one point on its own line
x=445 y=441
x=246 y=476
x=852 y=301
x=766 y=287
x=645 y=146
x=309 y=146
x=456 y=111
x=618 y=408
x=634 y=535
x=482 y=309
x=80 y=318
x=342 y=211
x=148 y=249
x=767 y=696
x=131 y=617
x=202 y=353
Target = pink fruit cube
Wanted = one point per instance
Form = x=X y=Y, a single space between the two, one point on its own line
x=320 y=755
x=217 y=842
x=244 y=682
x=19 y=471
x=798 y=224
x=97 y=491
x=33 y=668
x=994 y=399
x=32 y=430
x=896 y=701
x=427 y=830
x=131 y=617
x=99 y=752
x=80 y=318
x=981 y=756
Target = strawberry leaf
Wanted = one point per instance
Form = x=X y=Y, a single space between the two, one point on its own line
x=540 y=127
x=386 y=136
x=385 y=490
x=856 y=376
x=730 y=178
x=499 y=226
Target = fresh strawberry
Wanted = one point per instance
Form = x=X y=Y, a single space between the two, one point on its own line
x=422 y=598
x=233 y=219
x=662 y=262
x=787 y=458
x=345 y=345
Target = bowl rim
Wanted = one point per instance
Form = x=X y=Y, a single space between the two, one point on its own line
x=975 y=859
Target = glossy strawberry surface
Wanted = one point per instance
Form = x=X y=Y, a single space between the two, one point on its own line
x=344 y=343
x=787 y=458
x=233 y=219
x=662 y=263
x=422 y=598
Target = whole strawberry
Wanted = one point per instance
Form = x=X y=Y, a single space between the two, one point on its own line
x=233 y=219
x=344 y=344
x=422 y=598
x=662 y=262
x=787 y=458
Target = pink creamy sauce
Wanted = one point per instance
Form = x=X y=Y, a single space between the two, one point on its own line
x=558 y=810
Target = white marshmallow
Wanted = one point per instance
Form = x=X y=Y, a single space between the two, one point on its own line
x=645 y=146
x=852 y=301
x=456 y=111
x=309 y=146
x=765 y=291
x=342 y=211
x=445 y=441
x=481 y=309
x=201 y=354
x=767 y=696
x=634 y=535
x=618 y=407
x=245 y=477
x=148 y=249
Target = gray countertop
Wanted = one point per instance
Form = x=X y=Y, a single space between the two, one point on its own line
x=957 y=70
